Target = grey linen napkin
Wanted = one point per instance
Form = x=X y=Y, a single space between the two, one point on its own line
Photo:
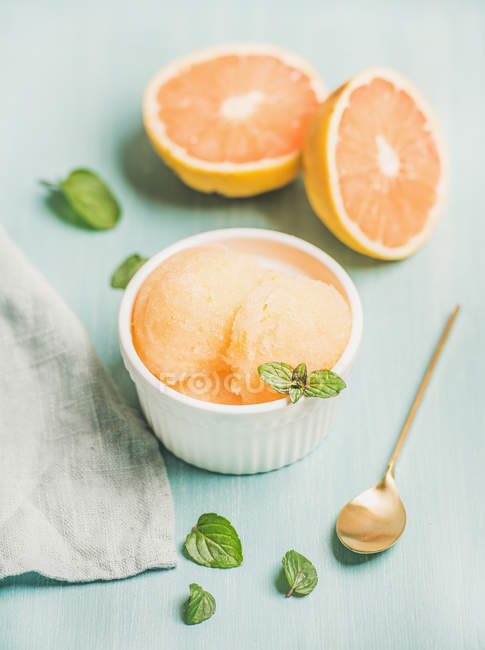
x=83 y=490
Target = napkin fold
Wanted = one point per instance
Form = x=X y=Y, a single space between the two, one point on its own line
x=84 y=494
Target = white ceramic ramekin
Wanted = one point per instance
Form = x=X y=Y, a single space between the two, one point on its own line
x=241 y=439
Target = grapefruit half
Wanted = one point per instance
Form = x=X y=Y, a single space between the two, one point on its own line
x=232 y=119
x=375 y=166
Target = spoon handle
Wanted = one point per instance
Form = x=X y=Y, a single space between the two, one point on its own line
x=422 y=388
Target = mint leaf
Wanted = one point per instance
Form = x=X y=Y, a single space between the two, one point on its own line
x=200 y=605
x=298 y=382
x=300 y=573
x=90 y=198
x=214 y=542
x=324 y=383
x=295 y=393
x=299 y=375
x=126 y=270
x=277 y=375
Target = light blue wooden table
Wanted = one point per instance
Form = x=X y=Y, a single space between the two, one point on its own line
x=73 y=74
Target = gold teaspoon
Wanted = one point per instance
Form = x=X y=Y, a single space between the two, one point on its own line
x=374 y=520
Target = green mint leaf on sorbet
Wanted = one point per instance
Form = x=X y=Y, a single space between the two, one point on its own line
x=295 y=393
x=126 y=270
x=324 y=383
x=90 y=198
x=296 y=383
x=299 y=375
x=214 y=542
x=278 y=375
x=200 y=605
x=300 y=573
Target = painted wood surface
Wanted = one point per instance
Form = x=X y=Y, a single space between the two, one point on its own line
x=72 y=81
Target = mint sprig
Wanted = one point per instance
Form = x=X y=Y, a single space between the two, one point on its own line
x=214 y=542
x=89 y=197
x=300 y=573
x=296 y=382
x=200 y=606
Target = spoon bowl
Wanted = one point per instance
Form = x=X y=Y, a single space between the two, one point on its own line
x=374 y=520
